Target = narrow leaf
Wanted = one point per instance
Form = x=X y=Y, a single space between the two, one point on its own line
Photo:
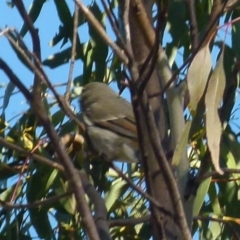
x=8 y=93
x=100 y=49
x=213 y=99
x=64 y=14
x=63 y=57
x=201 y=195
x=197 y=76
x=58 y=59
x=114 y=193
x=181 y=144
x=34 y=12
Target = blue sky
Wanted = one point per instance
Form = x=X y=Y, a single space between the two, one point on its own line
x=47 y=24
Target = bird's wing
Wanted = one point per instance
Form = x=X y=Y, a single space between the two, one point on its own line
x=121 y=119
x=121 y=126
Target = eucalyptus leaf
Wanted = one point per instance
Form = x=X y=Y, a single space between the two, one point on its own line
x=197 y=76
x=33 y=14
x=213 y=99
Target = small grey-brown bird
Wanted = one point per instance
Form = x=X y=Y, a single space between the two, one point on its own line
x=110 y=123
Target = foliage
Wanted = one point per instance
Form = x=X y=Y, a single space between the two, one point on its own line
x=37 y=195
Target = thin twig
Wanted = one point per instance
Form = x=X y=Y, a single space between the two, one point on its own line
x=98 y=27
x=140 y=191
x=127 y=36
x=148 y=31
x=35 y=204
x=97 y=201
x=15 y=80
x=26 y=161
x=37 y=157
x=73 y=54
x=112 y=20
x=215 y=173
x=30 y=27
x=235 y=233
x=42 y=76
x=231 y=4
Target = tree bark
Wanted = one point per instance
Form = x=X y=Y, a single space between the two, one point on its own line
x=163 y=225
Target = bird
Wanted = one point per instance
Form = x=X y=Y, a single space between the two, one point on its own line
x=110 y=123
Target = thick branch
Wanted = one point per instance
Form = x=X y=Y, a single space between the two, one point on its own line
x=129 y=221
x=39 y=109
x=98 y=203
x=193 y=23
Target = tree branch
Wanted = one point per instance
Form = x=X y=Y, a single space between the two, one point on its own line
x=193 y=23
x=98 y=27
x=129 y=221
x=97 y=201
x=73 y=53
x=15 y=80
x=42 y=76
x=140 y=191
x=35 y=204
x=39 y=109
x=215 y=173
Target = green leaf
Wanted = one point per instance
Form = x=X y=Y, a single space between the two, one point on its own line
x=201 y=195
x=40 y=222
x=58 y=59
x=100 y=48
x=177 y=14
x=51 y=179
x=39 y=217
x=64 y=14
x=197 y=76
x=181 y=145
x=8 y=170
x=69 y=202
x=63 y=57
x=216 y=230
x=12 y=229
x=34 y=12
x=88 y=63
x=8 y=93
x=66 y=19
x=236 y=34
x=6 y=195
x=61 y=35
x=115 y=192
x=64 y=34
x=214 y=200
x=213 y=99
x=232 y=146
